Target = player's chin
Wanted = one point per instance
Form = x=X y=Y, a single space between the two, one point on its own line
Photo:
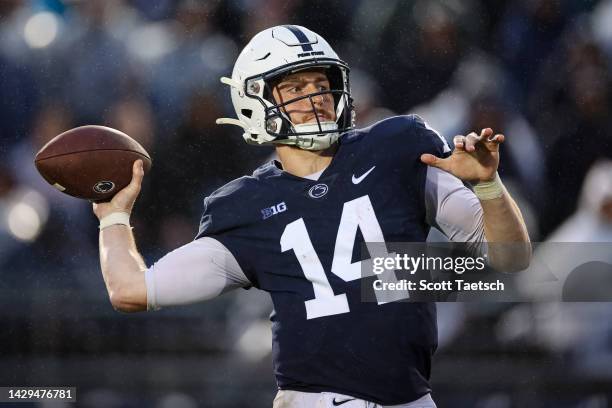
x=322 y=119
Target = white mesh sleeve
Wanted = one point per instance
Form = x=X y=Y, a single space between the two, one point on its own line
x=453 y=208
x=197 y=271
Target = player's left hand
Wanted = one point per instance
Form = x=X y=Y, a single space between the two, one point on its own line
x=475 y=158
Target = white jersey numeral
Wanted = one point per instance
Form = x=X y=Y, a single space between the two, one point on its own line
x=357 y=213
x=325 y=302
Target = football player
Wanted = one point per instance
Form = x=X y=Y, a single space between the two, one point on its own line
x=291 y=228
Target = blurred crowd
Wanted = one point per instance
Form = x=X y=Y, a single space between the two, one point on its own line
x=538 y=71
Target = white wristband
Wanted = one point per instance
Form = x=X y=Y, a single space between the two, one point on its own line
x=489 y=190
x=116 y=218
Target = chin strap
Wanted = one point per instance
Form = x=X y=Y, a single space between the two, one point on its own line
x=313 y=142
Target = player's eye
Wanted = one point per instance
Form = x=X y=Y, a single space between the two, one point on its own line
x=294 y=89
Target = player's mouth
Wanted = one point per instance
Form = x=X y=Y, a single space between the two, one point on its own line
x=323 y=117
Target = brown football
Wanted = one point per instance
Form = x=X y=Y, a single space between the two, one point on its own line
x=90 y=162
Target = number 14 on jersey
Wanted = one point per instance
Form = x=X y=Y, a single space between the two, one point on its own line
x=357 y=213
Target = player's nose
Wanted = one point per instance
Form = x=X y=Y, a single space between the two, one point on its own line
x=318 y=99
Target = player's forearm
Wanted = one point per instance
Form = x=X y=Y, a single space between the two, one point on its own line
x=123 y=269
x=505 y=230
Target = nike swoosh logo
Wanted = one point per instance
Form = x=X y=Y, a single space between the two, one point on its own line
x=357 y=180
x=336 y=403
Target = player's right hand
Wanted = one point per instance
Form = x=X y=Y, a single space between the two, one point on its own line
x=124 y=200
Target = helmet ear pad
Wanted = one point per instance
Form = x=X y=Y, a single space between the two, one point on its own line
x=336 y=81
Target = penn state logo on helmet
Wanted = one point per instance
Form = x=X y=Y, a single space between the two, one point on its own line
x=270 y=55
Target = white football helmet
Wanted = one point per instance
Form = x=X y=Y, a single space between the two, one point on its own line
x=271 y=54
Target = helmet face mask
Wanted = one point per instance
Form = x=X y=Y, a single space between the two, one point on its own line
x=332 y=127
x=270 y=56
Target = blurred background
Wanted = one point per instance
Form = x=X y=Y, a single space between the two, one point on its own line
x=536 y=70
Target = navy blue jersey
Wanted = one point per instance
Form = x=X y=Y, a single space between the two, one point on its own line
x=296 y=239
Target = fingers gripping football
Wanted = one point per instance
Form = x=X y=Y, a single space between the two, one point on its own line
x=124 y=200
